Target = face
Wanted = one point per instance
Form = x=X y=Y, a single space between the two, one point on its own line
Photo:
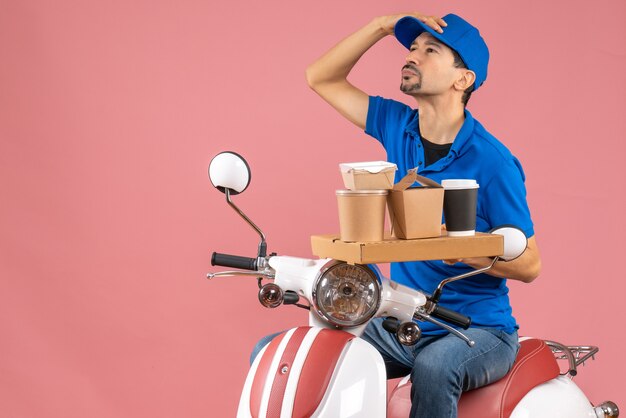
x=429 y=68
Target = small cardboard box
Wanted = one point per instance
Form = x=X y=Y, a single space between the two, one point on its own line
x=372 y=175
x=416 y=212
x=392 y=249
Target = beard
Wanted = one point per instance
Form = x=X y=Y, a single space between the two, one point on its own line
x=407 y=86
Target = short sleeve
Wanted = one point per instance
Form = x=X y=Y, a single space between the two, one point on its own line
x=504 y=198
x=384 y=117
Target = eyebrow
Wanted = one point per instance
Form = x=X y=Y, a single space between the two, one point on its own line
x=434 y=43
x=429 y=42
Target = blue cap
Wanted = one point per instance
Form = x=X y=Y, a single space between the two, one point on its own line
x=458 y=35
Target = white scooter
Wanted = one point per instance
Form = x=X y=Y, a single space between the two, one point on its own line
x=326 y=370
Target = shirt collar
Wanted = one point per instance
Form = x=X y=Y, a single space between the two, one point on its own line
x=464 y=135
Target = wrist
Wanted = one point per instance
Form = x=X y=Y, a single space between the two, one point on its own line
x=383 y=25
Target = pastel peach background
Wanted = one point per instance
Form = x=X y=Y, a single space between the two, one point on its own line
x=111 y=110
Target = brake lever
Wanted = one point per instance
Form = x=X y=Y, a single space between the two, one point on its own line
x=425 y=317
x=231 y=273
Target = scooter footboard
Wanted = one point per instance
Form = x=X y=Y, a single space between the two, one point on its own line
x=316 y=372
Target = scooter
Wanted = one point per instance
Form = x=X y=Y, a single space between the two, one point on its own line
x=325 y=369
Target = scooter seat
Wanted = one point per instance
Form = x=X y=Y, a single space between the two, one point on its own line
x=535 y=364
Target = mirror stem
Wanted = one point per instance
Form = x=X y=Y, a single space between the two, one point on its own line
x=262 y=244
x=437 y=294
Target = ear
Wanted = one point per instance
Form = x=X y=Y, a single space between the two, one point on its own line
x=465 y=80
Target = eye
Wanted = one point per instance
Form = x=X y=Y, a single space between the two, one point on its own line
x=429 y=50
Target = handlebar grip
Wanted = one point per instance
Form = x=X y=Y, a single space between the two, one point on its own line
x=236 y=261
x=452 y=317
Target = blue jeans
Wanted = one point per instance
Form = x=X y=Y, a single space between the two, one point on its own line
x=441 y=366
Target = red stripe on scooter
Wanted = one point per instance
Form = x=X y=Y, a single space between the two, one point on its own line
x=258 y=384
x=318 y=369
x=282 y=373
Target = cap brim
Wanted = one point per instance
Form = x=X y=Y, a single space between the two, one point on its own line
x=408 y=28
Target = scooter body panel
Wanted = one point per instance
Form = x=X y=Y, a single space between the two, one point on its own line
x=359 y=384
x=557 y=398
x=312 y=371
x=296 y=274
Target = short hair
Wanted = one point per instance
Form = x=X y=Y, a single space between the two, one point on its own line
x=458 y=63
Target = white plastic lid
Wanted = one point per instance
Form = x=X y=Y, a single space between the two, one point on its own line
x=371 y=166
x=456 y=184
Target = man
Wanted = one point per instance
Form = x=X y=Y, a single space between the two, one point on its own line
x=447 y=61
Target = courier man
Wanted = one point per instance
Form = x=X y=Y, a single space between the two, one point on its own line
x=446 y=62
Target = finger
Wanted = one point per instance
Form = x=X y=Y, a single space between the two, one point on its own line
x=430 y=22
x=441 y=22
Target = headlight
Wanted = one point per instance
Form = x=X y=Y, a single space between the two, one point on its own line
x=346 y=295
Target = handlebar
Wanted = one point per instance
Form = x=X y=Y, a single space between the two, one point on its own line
x=236 y=261
x=452 y=317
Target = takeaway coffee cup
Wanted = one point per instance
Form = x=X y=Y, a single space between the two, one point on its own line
x=459 y=206
x=361 y=214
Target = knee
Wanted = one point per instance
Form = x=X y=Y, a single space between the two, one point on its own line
x=259 y=346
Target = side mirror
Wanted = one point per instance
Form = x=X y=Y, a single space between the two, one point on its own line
x=230 y=173
x=229 y=170
x=515 y=241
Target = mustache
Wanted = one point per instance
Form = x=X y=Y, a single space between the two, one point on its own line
x=412 y=68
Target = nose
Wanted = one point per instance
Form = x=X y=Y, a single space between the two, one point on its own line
x=412 y=57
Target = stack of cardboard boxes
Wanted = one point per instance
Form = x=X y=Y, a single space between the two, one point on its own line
x=415 y=212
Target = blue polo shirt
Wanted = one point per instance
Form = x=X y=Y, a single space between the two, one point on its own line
x=475 y=154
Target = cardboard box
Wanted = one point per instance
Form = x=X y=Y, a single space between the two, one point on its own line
x=372 y=175
x=392 y=249
x=416 y=212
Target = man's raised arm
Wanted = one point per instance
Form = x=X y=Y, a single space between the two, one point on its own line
x=328 y=75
